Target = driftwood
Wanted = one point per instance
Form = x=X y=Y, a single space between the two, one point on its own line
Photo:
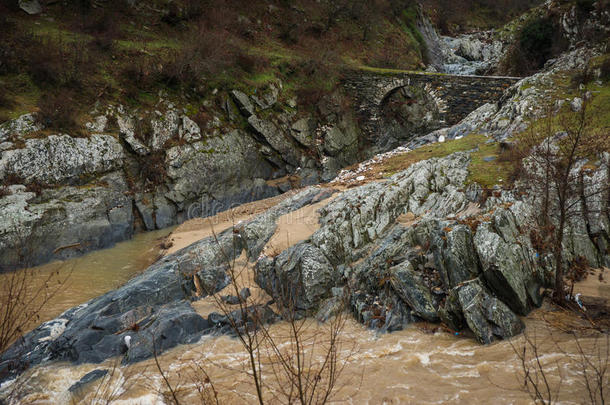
x=59 y=249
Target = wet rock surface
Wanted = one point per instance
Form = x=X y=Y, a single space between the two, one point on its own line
x=152 y=310
x=173 y=167
x=438 y=268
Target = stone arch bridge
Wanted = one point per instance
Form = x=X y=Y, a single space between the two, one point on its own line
x=455 y=96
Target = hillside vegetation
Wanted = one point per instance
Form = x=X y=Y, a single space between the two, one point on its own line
x=453 y=17
x=109 y=51
x=77 y=53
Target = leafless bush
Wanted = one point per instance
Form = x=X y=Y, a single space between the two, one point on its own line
x=194 y=379
x=152 y=169
x=23 y=296
x=543 y=381
x=205 y=52
x=300 y=365
x=555 y=149
x=57 y=110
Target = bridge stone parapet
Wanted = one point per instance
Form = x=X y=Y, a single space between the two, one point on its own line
x=455 y=96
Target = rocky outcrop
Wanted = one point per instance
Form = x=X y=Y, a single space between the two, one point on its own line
x=62 y=158
x=468 y=54
x=522 y=102
x=152 y=311
x=472 y=54
x=165 y=168
x=476 y=271
x=63 y=222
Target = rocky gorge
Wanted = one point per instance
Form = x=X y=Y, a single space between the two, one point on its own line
x=423 y=244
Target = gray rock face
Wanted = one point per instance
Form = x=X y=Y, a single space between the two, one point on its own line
x=522 y=102
x=73 y=218
x=202 y=172
x=18 y=127
x=268 y=96
x=486 y=316
x=153 y=309
x=299 y=277
x=455 y=255
x=62 y=158
x=243 y=103
x=164 y=128
x=468 y=54
x=304 y=132
x=472 y=54
x=30 y=6
x=276 y=138
x=127 y=133
x=411 y=289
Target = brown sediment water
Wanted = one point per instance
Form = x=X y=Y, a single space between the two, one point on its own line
x=410 y=366
x=92 y=274
x=420 y=365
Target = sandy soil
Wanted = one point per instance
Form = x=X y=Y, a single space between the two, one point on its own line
x=196 y=229
x=294 y=227
x=595 y=285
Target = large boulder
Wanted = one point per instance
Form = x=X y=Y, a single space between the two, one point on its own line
x=411 y=288
x=505 y=268
x=62 y=158
x=212 y=175
x=455 y=255
x=64 y=222
x=299 y=277
x=276 y=138
x=486 y=316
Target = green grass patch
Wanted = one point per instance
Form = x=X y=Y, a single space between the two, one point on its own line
x=23 y=93
x=490 y=173
x=390 y=72
x=151 y=45
x=598 y=113
x=487 y=174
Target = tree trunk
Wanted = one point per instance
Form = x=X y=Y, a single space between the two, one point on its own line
x=559 y=283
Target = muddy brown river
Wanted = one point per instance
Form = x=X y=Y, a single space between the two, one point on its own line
x=417 y=365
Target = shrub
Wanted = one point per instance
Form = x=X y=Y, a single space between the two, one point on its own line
x=583 y=76
x=4 y=191
x=585 y=6
x=605 y=69
x=36 y=187
x=57 y=110
x=140 y=74
x=202 y=118
x=251 y=63
x=5 y=101
x=57 y=63
x=104 y=29
x=536 y=38
x=143 y=130
x=44 y=66
x=152 y=171
x=205 y=53
x=12 y=178
x=537 y=41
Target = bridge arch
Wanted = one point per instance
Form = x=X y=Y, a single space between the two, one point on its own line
x=455 y=96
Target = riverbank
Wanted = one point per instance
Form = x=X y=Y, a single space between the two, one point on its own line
x=396 y=368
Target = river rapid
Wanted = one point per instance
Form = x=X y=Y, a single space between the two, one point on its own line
x=417 y=365
x=410 y=366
